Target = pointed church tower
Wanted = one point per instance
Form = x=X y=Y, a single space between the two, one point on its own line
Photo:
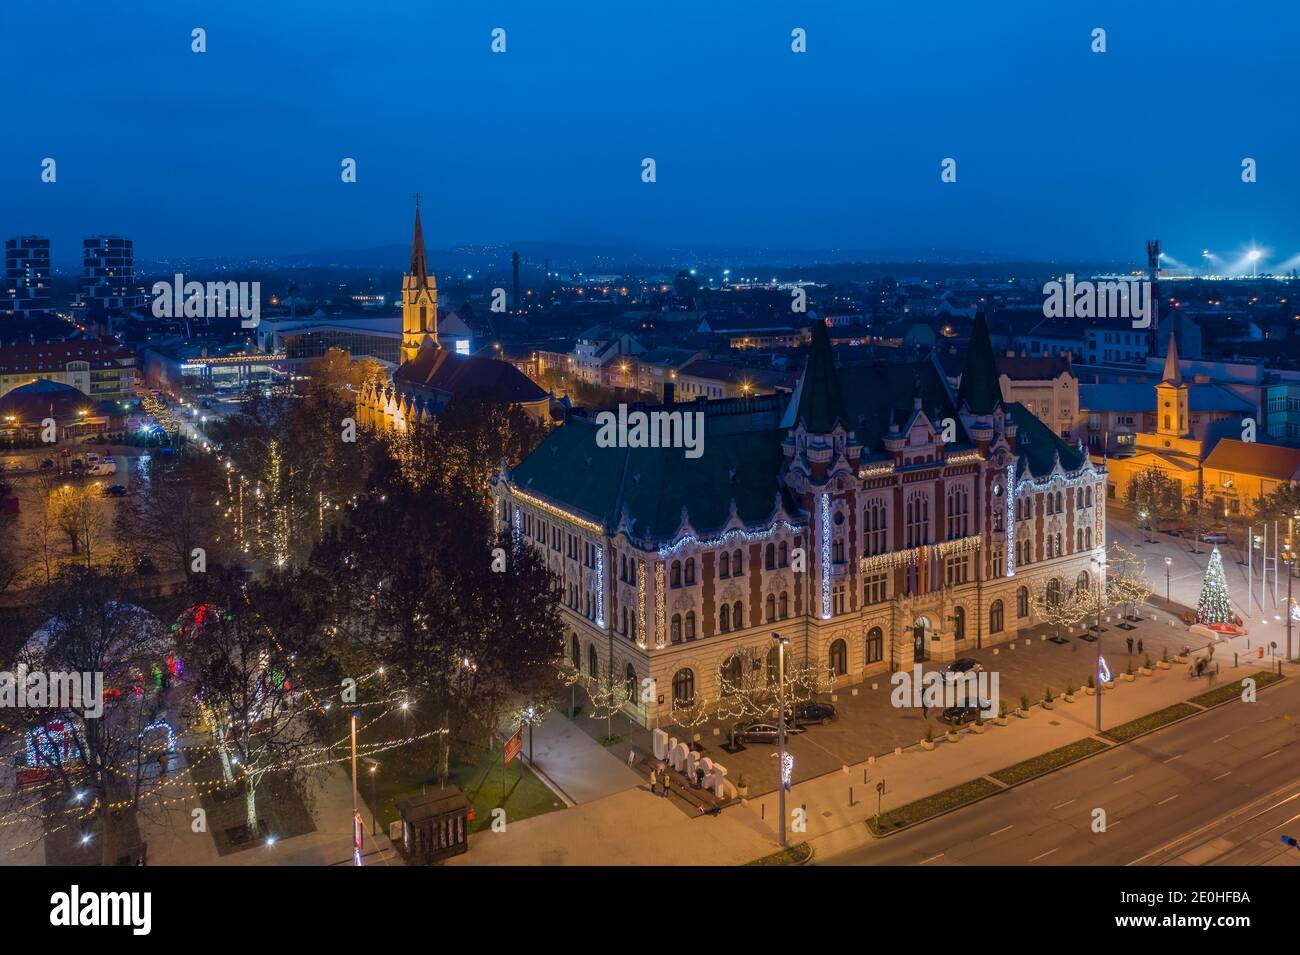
x=419 y=299
x=1172 y=419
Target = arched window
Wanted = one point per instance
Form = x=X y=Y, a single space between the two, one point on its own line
x=683 y=687
x=690 y=625
x=625 y=621
x=785 y=605
x=1078 y=539
x=576 y=653
x=724 y=619
x=874 y=528
x=737 y=565
x=724 y=565
x=769 y=557
x=633 y=687
x=633 y=631
x=731 y=674
x=677 y=628
x=1022 y=602
x=1054 y=591
x=690 y=571
x=1087 y=497
x=995 y=617
x=1047 y=544
x=839 y=658
x=918 y=519
x=958 y=512
x=1087 y=538
x=959 y=623
x=783 y=554
x=875 y=645
x=771 y=607
x=1081 y=582
x=738 y=616
x=593 y=670
x=677 y=573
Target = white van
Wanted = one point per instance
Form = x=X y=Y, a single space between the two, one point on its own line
x=103 y=468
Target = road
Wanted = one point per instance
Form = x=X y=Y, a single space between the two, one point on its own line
x=1218 y=789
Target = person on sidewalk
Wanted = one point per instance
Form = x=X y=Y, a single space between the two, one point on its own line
x=654 y=781
x=1139 y=646
x=1130 y=646
x=667 y=783
x=925 y=710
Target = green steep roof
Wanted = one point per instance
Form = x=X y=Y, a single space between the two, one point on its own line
x=979 y=388
x=569 y=469
x=821 y=402
x=873 y=392
x=1037 y=445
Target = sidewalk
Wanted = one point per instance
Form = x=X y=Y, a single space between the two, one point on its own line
x=834 y=826
x=578 y=768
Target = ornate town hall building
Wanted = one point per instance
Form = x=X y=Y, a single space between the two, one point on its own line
x=873 y=517
x=431 y=375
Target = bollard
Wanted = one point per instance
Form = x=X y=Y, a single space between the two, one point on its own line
x=850 y=797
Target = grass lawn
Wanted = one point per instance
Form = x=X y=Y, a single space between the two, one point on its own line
x=794 y=855
x=1046 y=762
x=921 y=809
x=1232 y=690
x=1145 y=724
x=478 y=774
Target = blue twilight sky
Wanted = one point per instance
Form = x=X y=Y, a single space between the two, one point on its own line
x=1061 y=152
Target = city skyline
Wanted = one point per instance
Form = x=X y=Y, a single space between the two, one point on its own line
x=239 y=152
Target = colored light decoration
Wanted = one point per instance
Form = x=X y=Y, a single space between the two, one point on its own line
x=600 y=583
x=518 y=525
x=1214 y=606
x=171 y=733
x=660 y=601
x=1103 y=671
x=51 y=745
x=640 y=604
x=728 y=538
x=1010 y=493
x=825 y=510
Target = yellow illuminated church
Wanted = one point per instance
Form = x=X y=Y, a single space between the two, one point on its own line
x=430 y=375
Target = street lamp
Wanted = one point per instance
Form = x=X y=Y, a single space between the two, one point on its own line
x=1288 y=555
x=780 y=730
x=1100 y=564
x=1168 y=561
x=1142 y=523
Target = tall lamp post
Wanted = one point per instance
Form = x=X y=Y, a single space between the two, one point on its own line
x=780 y=730
x=1168 y=561
x=1288 y=555
x=1100 y=564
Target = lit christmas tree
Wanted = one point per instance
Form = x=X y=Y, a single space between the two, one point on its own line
x=1214 y=606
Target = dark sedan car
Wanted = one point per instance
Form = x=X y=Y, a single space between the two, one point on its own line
x=961 y=667
x=759 y=732
x=959 y=715
x=815 y=712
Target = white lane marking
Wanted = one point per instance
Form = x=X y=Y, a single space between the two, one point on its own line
x=1003 y=829
x=1172 y=758
x=1064 y=804
x=931 y=859
x=1170 y=799
x=1221 y=738
x=1118 y=781
x=1045 y=854
x=1221 y=775
x=1274 y=753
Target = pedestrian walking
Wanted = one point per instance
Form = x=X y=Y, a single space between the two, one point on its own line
x=1139 y=646
x=925 y=709
x=1130 y=646
x=667 y=783
x=654 y=781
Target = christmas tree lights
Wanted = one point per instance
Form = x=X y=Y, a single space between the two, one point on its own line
x=1214 y=606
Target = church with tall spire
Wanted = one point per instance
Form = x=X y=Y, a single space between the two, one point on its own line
x=431 y=375
x=419 y=298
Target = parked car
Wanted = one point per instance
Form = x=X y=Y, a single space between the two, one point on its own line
x=958 y=715
x=103 y=468
x=961 y=668
x=47 y=464
x=115 y=490
x=1215 y=537
x=759 y=732
x=815 y=711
